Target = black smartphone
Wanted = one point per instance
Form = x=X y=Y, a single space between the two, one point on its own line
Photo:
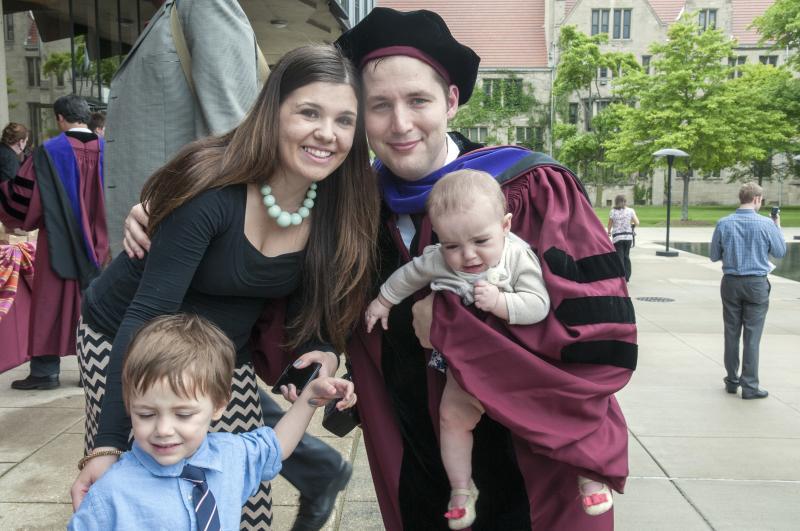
x=299 y=377
x=775 y=211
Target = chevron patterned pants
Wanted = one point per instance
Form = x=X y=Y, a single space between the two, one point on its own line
x=242 y=414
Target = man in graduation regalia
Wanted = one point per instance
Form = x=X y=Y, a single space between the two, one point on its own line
x=59 y=190
x=547 y=388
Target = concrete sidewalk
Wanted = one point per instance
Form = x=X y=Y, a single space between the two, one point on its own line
x=699 y=458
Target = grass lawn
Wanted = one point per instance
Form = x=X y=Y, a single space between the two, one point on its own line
x=699 y=215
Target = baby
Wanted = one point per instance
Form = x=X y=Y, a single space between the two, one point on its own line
x=177 y=379
x=479 y=259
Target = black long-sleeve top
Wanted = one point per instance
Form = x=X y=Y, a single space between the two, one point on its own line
x=9 y=162
x=200 y=262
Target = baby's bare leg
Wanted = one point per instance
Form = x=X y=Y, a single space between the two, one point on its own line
x=459 y=413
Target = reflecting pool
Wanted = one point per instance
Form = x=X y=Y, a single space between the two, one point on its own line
x=787 y=267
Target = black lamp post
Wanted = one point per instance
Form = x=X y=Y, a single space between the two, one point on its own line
x=670 y=153
x=780 y=197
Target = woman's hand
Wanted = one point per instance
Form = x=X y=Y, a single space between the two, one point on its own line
x=136 y=242
x=94 y=470
x=329 y=362
x=423 y=316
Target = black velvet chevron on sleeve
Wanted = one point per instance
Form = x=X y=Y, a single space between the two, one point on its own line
x=5 y=204
x=585 y=270
x=593 y=310
x=604 y=352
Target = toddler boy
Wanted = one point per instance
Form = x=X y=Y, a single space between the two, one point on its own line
x=176 y=380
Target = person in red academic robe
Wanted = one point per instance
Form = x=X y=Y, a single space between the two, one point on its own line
x=548 y=389
x=59 y=190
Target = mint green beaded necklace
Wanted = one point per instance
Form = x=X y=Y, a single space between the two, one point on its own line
x=285 y=219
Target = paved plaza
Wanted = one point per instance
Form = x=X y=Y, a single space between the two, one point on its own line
x=699 y=458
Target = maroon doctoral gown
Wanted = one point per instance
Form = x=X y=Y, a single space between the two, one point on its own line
x=551 y=385
x=56 y=301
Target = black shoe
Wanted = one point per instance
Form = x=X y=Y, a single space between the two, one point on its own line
x=313 y=514
x=753 y=395
x=36 y=382
x=730 y=386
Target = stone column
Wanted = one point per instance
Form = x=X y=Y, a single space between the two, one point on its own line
x=659 y=176
x=3 y=84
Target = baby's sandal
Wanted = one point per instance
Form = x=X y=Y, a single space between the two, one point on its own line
x=462 y=517
x=596 y=502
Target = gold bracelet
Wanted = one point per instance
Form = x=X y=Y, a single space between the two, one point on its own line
x=85 y=459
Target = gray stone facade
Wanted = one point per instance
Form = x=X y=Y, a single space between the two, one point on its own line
x=647 y=26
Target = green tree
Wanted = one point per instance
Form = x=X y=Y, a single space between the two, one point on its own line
x=772 y=130
x=585 y=152
x=689 y=103
x=59 y=63
x=108 y=66
x=780 y=25
x=580 y=58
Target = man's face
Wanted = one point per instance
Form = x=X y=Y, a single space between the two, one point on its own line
x=406 y=115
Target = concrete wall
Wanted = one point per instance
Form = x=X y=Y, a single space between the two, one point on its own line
x=722 y=192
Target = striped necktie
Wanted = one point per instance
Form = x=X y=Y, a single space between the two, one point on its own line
x=205 y=506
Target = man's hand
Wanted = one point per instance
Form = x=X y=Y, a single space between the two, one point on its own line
x=94 y=470
x=377 y=311
x=423 y=316
x=136 y=242
x=328 y=360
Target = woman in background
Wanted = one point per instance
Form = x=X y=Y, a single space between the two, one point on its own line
x=12 y=144
x=621 y=221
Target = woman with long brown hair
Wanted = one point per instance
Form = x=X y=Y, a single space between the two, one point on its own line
x=283 y=205
x=621 y=223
